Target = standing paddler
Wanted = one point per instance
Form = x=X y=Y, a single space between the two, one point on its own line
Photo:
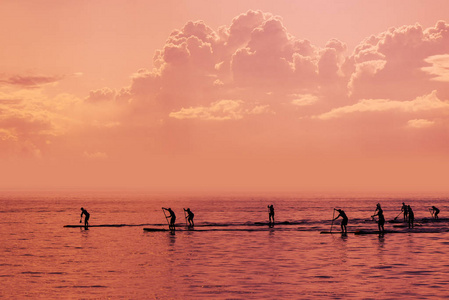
x=270 y=214
x=404 y=209
x=411 y=217
x=190 y=216
x=380 y=213
x=344 y=222
x=172 y=217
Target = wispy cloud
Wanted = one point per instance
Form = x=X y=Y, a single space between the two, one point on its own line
x=439 y=68
x=424 y=103
x=30 y=81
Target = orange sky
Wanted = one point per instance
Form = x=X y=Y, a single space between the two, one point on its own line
x=281 y=96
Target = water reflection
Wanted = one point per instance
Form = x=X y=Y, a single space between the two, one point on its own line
x=171 y=240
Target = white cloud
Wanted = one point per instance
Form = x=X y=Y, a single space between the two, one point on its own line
x=221 y=110
x=304 y=100
x=420 y=123
x=218 y=111
x=439 y=67
x=424 y=103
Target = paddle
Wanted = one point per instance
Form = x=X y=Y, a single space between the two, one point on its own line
x=431 y=212
x=269 y=217
x=185 y=216
x=372 y=217
x=397 y=216
x=166 y=218
x=333 y=215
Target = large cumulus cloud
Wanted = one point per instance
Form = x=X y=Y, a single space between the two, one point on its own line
x=393 y=63
x=233 y=76
x=255 y=55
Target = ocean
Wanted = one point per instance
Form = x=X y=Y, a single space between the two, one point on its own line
x=231 y=254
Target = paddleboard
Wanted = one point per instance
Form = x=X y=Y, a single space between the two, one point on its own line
x=107 y=225
x=377 y=232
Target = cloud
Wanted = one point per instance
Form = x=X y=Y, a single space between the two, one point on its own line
x=31 y=81
x=198 y=66
x=420 y=104
x=392 y=63
x=104 y=94
x=7 y=134
x=222 y=110
x=439 y=69
x=420 y=123
x=30 y=119
x=304 y=100
x=252 y=67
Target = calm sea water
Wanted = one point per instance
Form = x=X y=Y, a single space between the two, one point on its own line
x=39 y=258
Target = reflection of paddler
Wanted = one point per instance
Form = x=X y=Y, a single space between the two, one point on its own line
x=344 y=221
x=380 y=214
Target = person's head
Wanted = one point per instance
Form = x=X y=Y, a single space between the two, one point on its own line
x=378 y=205
x=82 y=208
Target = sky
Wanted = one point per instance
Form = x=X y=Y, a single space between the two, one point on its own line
x=225 y=96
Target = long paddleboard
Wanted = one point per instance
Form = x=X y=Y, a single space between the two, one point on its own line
x=156 y=229
x=377 y=232
x=107 y=225
x=209 y=229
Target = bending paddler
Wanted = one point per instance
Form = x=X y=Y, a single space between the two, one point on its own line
x=190 y=216
x=172 y=217
x=435 y=212
x=86 y=218
x=344 y=222
x=380 y=214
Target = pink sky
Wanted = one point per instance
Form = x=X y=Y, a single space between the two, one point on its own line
x=280 y=96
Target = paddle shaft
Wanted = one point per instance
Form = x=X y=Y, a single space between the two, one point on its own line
x=166 y=218
x=185 y=216
x=333 y=215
